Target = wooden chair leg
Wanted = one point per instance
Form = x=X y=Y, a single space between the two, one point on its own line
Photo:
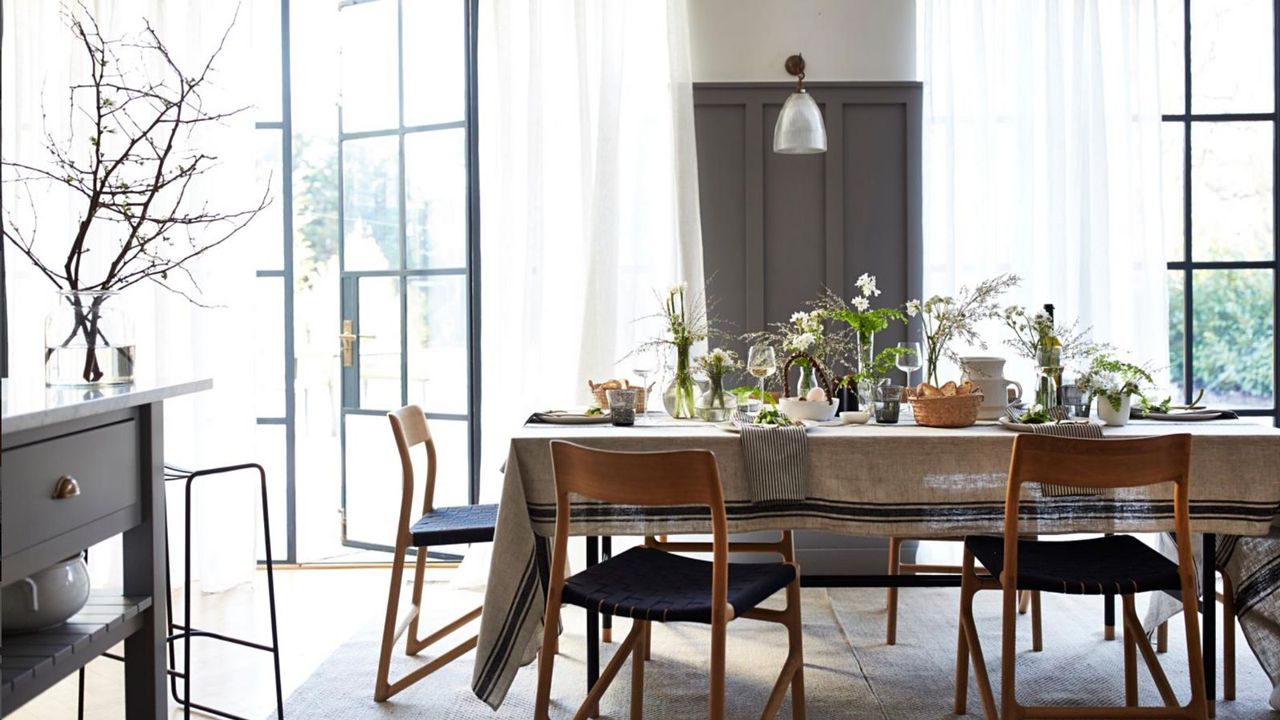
x=1037 y=633
x=381 y=688
x=1009 y=654
x=795 y=637
x=648 y=641
x=1133 y=629
x=637 y=670
x=968 y=588
x=1162 y=637
x=1024 y=601
x=547 y=658
x=412 y=645
x=716 y=699
x=1199 y=705
x=962 y=667
x=891 y=594
x=1228 y=639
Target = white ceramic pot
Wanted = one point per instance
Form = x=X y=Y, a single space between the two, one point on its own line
x=47 y=598
x=798 y=409
x=987 y=375
x=1114 y=417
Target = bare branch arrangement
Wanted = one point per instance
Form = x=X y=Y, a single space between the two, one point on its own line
x=134 y=165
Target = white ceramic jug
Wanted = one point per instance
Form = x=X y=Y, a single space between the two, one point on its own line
x=987 y=375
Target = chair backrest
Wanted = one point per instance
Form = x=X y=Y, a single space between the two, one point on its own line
x=409 y=427
x=647 y=479
x=1130 y=462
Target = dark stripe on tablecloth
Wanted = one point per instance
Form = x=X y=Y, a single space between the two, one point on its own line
x=1258 y=586
x=503 y=651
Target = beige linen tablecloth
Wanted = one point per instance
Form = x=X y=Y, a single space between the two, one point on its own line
x=871 y=480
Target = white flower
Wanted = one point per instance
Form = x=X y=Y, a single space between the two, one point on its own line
x=860 y=304
x=721 y=356
x=913 y=308
x=799 y=318
x=804 y=341
x=677 y=288
x=867 y=285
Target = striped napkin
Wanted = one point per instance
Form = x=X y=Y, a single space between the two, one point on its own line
x=1088 y=431
x=777 y=463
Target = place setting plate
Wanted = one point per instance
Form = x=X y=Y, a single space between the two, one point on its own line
x=559 y=417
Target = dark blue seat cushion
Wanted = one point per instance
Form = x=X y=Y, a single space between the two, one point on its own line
x=1120 y=564
x=655 y=585
x=455 y=525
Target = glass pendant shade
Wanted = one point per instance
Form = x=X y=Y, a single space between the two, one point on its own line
x=800 y=130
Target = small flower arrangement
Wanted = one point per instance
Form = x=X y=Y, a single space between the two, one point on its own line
x=949 y=320
x=1113 y=379
x=1036 y=336
x=685 y=326
x=716 y=364
x=864 y=323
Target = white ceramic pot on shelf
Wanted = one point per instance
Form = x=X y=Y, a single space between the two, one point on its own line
x=47 y=598
x=1112 y=416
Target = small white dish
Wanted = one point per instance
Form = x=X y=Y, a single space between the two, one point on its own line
x=855 y=417
x=798 y=409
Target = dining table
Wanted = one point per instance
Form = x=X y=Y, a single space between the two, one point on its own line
x=871 y=480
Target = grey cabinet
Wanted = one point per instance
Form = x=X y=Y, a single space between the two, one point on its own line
x=776 y=229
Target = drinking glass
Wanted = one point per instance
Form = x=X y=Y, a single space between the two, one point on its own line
x=644 y=364
x=761 y=363
x=888 y=402
x=910 y=359
x=622 y=406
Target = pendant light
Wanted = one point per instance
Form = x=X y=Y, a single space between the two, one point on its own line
x=800 y=130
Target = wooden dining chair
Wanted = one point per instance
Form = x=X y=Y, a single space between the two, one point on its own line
x=1026 y=600
x=651 y=585
x=435 y=527
x=1119 y=563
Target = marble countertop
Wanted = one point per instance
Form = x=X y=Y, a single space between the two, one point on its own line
x=28 y=405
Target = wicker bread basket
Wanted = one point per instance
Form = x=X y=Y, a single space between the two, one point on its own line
x=600 y=391
x=951 y=411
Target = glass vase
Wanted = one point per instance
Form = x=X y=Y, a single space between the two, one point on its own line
x=716 y=405
x=1049 y=377
x=88 y=339
x=863 y=360
x=808 y=379
x=680 y=397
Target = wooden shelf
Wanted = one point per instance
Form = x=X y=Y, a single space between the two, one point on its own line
x=33 y=662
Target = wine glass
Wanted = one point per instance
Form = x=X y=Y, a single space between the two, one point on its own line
x=909 y=358
x=644 y=364
x=761 y=363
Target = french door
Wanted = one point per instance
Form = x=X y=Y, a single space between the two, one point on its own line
x=408 y=314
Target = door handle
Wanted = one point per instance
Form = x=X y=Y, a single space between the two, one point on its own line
x=348 y=339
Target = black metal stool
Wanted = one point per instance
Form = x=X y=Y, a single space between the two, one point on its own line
x=183 y=631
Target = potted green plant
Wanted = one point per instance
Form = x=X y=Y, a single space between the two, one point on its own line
x=1113 y=383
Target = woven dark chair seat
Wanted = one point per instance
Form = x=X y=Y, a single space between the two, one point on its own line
x=455 y=525
x=655 y=585
x=1121 y=564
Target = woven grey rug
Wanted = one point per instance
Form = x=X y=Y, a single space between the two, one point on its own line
x=849 y=671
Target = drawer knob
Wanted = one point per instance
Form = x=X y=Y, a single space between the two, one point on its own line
x=67 y=487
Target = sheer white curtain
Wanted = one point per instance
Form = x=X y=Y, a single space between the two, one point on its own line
x=1042 y=158
x=175 y=338
x=588 y=193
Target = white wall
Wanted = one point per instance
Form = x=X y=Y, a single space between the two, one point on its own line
x=746 y=40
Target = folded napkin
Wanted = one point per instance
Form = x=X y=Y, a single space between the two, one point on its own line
x=777 y=462
x=1088 y=431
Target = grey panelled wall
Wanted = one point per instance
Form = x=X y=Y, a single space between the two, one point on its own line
x=776 y=229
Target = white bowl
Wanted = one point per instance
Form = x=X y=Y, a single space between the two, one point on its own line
x=855 y=417
x=798 y=409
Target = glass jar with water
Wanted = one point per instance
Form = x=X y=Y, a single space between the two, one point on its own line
x=88 y=340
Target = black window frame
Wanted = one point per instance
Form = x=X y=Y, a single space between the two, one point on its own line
x=1187 y=265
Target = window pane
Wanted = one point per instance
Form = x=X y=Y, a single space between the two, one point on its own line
x=436 y=198
x=264 y=235
x=268 y=344
x=1172 y=53
x=438 y=343
x=1231 y=56
x=370 y=79
x=1177 y=335
x=1231 y=190
x=1172 y=138
x=371 y=204
x=435 y=56
x=452 y=452
x=1232 y=329
x=374 y=480
x=379 y=343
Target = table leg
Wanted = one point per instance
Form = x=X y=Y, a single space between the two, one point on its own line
x=593 y=626
x=606 y=552
x=1209 y=617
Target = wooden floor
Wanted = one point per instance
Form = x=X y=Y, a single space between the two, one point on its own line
x=318 y=610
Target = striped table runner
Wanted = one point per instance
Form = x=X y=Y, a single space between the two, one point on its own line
x=1087 y=431
x=776 y=460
